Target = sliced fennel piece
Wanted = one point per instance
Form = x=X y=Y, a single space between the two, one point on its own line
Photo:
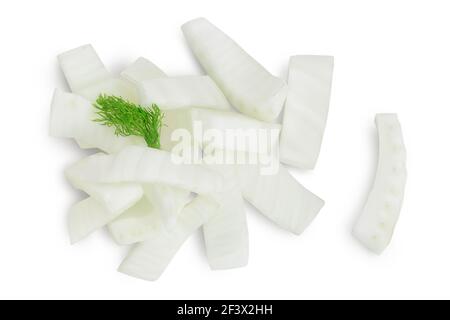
x=167 y=200
x=141 y=70
x=82 y=68
x=148 y=260
x=375 y=226
x=113 y=86
x=280 y=197
x=219 y=130
x=247 y=85
x=87 y=216
x=182 y=92
x=71 y=117
x=144 y=165
x=115 y=197
x=226 y=234
x=88 y=77
x=306 y=110
x=137 y=224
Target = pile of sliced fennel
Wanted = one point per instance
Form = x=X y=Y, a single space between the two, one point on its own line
x=152 y=204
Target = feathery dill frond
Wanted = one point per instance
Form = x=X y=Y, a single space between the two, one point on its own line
x=129 y=119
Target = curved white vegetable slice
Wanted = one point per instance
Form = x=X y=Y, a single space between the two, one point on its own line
x=106 y=202
x=375 y=225
x=226 y=234
x=144 y=165
x=71 y=117
x=82 y=68
x=141 y=70
x=280 y=197
x=182 y=92
x=113 y=86
x=115 y=197
x=246 y=84
x=87 y=216
x=149 y=259
x=88 y=77
x=306 y=110
x=228 y=124
x=167 y=200
x=136 y=224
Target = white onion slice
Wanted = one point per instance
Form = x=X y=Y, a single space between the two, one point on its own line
x=141 y=70
x=280 y=197
x=149 y=259
x=247 y=85
x=144 y=165
x=306 y=110
x=182 y=92
x=375 y=226
x=82 y=68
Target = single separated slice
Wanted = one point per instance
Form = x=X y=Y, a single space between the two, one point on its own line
x=376 y=223
x=306 y=110
x=246 y=84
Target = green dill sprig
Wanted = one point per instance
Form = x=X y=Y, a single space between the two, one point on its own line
x=129 y=119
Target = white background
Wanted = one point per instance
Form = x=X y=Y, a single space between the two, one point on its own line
x=390 y=56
